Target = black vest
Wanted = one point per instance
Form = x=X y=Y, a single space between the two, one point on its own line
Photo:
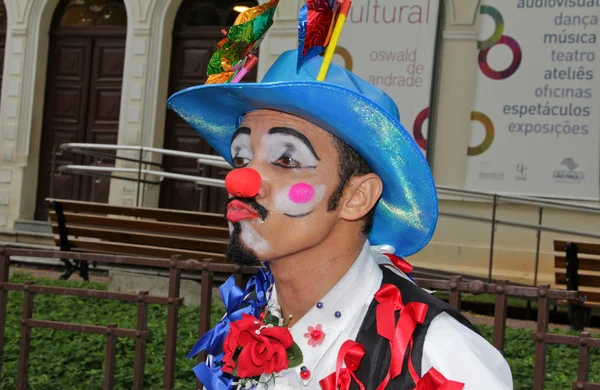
x=376 y=361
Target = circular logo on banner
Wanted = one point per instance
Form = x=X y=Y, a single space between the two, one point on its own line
x=418 y=128
x=498 y=29
x=489 y=134
x=498 y=39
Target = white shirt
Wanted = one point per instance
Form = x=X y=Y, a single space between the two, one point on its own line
x=454 y=350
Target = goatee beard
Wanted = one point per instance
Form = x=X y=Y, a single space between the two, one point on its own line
x=237 y=252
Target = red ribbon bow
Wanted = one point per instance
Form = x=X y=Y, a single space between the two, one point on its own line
x=400 y=334
x=351 y=354
x=434 y=380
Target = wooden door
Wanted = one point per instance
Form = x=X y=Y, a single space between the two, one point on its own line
x=67 y=95
x=103 y=110
x=189 y=62
x=197 y=30
x=83 y=95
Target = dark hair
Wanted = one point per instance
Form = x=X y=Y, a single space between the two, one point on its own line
x=350 y=164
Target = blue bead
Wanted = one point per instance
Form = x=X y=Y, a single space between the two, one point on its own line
x=338 y=314
x=303 y=368
x=319 y=305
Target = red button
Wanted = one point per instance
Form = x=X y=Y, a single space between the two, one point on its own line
x=305 y=374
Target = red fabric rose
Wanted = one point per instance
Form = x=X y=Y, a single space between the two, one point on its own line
x=262 y=352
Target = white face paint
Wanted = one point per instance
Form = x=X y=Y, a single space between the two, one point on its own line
x=241 y=150
x=282 y=147
x=253 y=240
x=298 y=200
x=285 y=148
x=276 y=146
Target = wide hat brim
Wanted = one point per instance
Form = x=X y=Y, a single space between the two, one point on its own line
x=406 y=214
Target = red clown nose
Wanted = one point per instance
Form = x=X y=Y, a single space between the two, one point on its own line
x=243 y=182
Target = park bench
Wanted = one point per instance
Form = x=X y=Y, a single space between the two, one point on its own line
x=138 y=231
x=577 y=267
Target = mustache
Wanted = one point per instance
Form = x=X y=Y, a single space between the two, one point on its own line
x=261 y=210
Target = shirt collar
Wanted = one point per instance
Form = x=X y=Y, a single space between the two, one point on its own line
x=351 y=303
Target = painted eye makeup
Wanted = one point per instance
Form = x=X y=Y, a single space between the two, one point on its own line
x=285 y=161
x=240 y=162
x=241 y=151
x=289 y=152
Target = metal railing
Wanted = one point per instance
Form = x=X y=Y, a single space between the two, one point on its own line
x=139 y=175
x=455 y=286
x=144 y=160
x=502 y=199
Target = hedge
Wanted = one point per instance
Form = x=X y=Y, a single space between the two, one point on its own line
x=65 y=360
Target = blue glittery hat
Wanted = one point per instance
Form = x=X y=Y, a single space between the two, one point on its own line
x=350 y=108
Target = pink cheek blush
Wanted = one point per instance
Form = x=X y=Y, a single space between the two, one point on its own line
x=302 y=193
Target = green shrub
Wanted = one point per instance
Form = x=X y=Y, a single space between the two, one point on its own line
x=66 y=360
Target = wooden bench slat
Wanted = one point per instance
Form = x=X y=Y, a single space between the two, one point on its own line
x=583 y=264
x=584 y=280
x=592 y=296
x=592 y=299
x=146 y=225
x=153 y=240
x=166 y=215
x=584 y=247
x=140 y=250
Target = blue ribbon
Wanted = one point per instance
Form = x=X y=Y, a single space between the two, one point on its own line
x=213 y=378
x=259 y=284
x=213 y=340
x=253 y=299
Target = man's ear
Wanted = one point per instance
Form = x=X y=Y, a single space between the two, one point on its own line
x=360 y=196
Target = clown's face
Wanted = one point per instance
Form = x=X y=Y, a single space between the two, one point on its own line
x=284 y=211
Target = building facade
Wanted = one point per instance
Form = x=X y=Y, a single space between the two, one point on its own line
x=100 y=71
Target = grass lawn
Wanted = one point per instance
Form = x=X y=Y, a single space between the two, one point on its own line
x=65 y=360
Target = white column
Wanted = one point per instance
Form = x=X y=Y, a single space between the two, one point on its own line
x=455 y=94
x=21 y=109
x=145 y=84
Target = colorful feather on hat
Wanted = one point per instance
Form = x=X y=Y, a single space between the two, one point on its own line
x=315 y=24
x=232 y=59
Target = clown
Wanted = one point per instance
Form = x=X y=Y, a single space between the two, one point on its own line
x=330 y=192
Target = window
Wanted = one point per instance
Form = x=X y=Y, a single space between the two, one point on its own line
x=193 y=13
x=88 y=13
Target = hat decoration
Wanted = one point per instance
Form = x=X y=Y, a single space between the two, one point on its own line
x=232 y=60
x=320 y=24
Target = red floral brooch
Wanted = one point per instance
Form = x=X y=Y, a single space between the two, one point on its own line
x=254 y=347
x=315 y=335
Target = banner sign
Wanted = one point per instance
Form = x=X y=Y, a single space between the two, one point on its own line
x=535 y=126
x=391 y=44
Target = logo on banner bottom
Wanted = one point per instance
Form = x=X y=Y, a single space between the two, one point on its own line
x=569 y=173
